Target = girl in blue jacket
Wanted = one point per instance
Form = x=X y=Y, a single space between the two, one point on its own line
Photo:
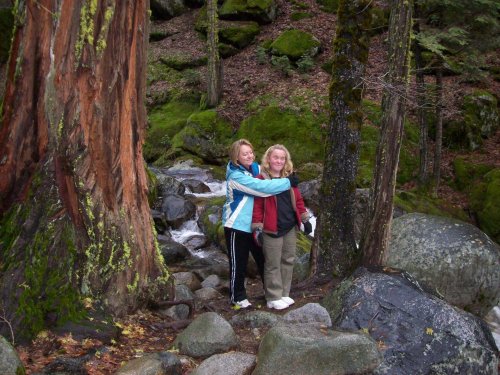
x=241 y=187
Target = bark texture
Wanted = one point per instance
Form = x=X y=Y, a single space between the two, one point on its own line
x=439 y=131
x=337 y=251
x=75 y=220
x=214 y=68
x=379 y=219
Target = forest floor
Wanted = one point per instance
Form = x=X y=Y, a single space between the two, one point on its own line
x=244 y=79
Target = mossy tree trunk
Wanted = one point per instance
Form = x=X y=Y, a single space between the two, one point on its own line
x=75 y=220
x=214 y=80
x=423 y=171
x=336 y=247
x=378 y=227
x=439 y=131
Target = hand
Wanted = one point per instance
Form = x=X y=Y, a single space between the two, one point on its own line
x=308 y=228
x=257 y=237
x=294 y=180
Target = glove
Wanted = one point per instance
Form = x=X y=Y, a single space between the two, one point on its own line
x=294 y=180
x=308 y=228
x=257 y=237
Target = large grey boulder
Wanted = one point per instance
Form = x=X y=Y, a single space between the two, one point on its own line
x=256 y=319
x=172 y=252
x=177 y=210
x=10 y=364
x=455 y=258
x=196 y=186
x=208 y=334
x=309 y=313
x=187 y=278
x=306 y=349
x=168 y=184
x=234 y=363
x=163 y=363
x=181 y=311
x=417 y=332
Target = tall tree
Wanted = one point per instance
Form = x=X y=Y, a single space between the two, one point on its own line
x=75 y=220
x=379 y=218
x=214 y=63
x=336 y=248
x=436 y=175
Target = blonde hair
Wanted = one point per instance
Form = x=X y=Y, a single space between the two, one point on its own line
x=287 y=169
x=234 y=150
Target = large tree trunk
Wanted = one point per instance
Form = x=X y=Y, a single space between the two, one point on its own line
x=214 y=65
x=379 y=219
x=75 y=218
x=439 y=130
x=423 y=172
x=337 y=250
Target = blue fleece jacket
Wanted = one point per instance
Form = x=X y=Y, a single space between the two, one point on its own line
x=241 y=187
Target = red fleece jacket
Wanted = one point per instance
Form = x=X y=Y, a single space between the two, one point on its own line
x=265 y=210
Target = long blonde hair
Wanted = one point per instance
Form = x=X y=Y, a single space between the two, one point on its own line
x=234 y=150
x=287 y=169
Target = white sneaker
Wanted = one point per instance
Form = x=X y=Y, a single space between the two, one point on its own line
x=278 y=304
x=288 y=300
x=243 y=304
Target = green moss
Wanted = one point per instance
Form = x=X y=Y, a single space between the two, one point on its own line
x=152 y=186
x=6 y=29
x=300 y=132
x=304 y=244
x=294 y=44
x=297 y=16
x=180 y=61
x=380 y=20
x=467 y=174
x=227 y=50
x=263 y=11
x=213 y=231
x=238 y=34
x=329 y=6
x=485 y=201
x=165 y=122
x=415 y=201
x=204 y=135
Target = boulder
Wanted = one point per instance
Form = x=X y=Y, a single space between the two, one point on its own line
x=166 y=9
x=180 y=60
x=212 y=281
x=234 y=363
x=196 y=186
x=163 y=363
x=173 y=252
x=306 y=349
x=161 y=224
x=256 y=319
x=309 y=313
x=310 y=192
x=417 y=332
x=10 y=363
x=177 y=210
x=169 y=185
x=208 y=334
x=294 y=44
x=179 y=312
x=207 y=294
x=210 y=222
x=261 y=11
x=187 y=278
x=453 y=257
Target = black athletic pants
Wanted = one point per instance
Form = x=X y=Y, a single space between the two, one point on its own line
x=239 y=244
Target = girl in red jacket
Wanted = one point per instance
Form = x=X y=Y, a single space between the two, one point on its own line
x=275 y=222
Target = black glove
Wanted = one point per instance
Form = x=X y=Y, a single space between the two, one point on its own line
x=308 y=228
x=257 y=237
x=294 y=180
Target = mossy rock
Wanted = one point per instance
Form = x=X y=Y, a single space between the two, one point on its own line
x=467 y=174
x=300 y=132
x=227 y=50
x=480 y=119
x=181 y=61
x=205 y=135
x=6 y=28
x=485 y=201
x=415 y=201
x=294 y=44
x=164 y=123
x=329 y=6
x=210 y=221
x=262 y=11
x=158 y=71
x=167 y=9
x=152 y=186
x=481 y=113
x=297 y=16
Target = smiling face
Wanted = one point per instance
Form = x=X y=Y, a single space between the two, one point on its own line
x=246 y=156
x=277 y=160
